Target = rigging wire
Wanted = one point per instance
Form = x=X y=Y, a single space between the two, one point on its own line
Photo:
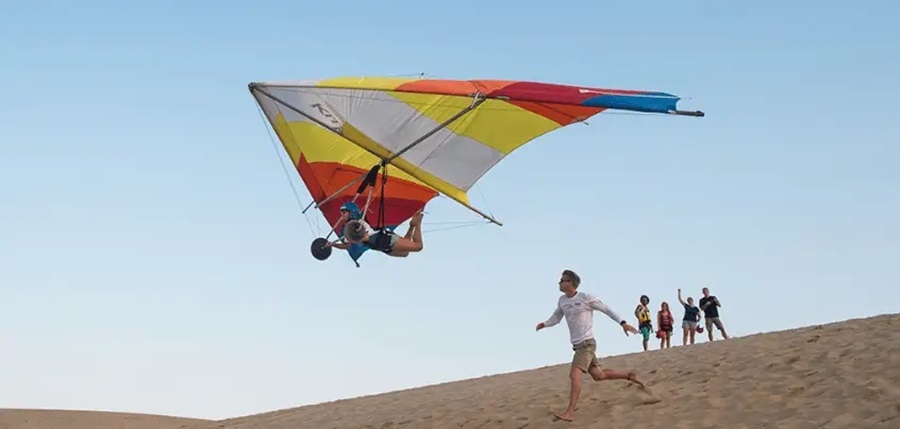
x=284 y=168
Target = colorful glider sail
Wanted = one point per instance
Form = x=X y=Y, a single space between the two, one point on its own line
x=433 y=135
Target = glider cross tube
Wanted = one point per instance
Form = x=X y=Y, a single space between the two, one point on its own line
x=477 y=102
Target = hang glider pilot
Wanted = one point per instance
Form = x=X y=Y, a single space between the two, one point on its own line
x=358 y=231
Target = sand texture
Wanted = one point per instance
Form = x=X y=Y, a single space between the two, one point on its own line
x=64 y=419
x=842 y=375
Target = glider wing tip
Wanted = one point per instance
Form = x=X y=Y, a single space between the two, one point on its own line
x=694 y=113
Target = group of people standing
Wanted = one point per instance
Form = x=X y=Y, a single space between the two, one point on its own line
x=690 y=322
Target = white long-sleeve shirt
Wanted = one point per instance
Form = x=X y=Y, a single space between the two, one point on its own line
x=579 y=313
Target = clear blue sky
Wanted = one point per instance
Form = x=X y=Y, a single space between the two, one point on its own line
x=153 y=257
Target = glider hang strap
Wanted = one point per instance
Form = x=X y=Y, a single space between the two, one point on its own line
x=365 y=211
x=368 y=180
x=381 y=225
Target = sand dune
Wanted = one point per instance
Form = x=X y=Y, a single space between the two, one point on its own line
x=841 y=375
x=65 y=419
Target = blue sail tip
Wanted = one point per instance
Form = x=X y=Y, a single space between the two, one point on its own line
x=654 y=102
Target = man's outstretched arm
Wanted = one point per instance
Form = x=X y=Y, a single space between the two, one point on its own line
x=598 y=305
x=555 y=318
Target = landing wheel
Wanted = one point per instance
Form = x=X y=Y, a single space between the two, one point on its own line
x=319 y=249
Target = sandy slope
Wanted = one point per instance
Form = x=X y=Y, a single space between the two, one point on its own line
x=843 y=375
x=64 y=419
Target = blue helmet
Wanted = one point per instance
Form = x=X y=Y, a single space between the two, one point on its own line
x=353 y=209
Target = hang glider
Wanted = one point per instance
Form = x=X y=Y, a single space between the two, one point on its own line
x=439 y=136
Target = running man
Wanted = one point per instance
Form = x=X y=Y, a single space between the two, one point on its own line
x=577 y=308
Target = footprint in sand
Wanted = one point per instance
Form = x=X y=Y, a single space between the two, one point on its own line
x=651 y=400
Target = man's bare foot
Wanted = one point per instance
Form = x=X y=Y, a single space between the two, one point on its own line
x=632 y=377
x=567 y=416
x=416 y=219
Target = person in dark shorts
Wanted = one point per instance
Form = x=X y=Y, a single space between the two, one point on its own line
x=665 y=322
x=690 y=319
x=357 y=231
x=710 y=306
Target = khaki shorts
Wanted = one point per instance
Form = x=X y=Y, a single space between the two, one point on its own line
x=584 y=357
x=710 y=321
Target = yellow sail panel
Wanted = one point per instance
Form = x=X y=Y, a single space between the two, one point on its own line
x=497 y=124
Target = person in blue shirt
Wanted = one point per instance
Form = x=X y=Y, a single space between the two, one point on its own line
x=690 y=320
